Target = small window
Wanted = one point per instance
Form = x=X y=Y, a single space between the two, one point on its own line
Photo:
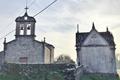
x=25 y=18
x=23 y=59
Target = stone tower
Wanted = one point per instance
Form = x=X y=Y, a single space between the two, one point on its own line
x=25 y=26
x=96 y=51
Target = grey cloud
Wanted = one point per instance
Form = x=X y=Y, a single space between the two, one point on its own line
x=64 y=28
x=60 y=28
x=87 y=6
x=116 y=26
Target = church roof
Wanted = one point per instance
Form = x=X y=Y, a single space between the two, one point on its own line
x=25 y=18
x=47 y=44
x=80 y=37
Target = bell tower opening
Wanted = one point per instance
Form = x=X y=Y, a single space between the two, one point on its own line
x=28 y=29
x=22 y=29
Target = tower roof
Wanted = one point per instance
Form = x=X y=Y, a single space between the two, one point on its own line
x=25 y=18
x=80 y=37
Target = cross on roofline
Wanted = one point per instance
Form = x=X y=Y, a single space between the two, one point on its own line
x=26 y=8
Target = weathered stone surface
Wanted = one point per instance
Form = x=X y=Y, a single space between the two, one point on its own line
x=25 y=49
x=37 y=72
x=96 y=54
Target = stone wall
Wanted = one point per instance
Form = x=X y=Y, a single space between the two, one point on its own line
x=37 y=72
x=24 y=50
x=96 y=55
x=47 y=55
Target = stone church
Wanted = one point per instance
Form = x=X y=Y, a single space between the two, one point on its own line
x=96 y=51
x=25 y=49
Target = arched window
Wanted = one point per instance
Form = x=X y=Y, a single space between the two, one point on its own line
x=21 y=29
x=28 y=29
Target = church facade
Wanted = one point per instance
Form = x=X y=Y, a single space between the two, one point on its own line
x=96 y=51
x=25 y=49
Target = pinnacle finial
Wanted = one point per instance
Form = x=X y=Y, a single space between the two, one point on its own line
x=77 y=28
x=107 y=29
x=4 y=40
x=93 y=26
x=44 y=39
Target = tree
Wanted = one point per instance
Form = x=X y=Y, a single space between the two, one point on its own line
x=64 y=59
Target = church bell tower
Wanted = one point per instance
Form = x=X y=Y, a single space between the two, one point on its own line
x=25 y=25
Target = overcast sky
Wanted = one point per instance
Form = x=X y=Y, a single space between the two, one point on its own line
x=58 y=23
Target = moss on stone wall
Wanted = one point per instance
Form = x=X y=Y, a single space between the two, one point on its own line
x=47 y=72
x=99 y=77
x=34 y=72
